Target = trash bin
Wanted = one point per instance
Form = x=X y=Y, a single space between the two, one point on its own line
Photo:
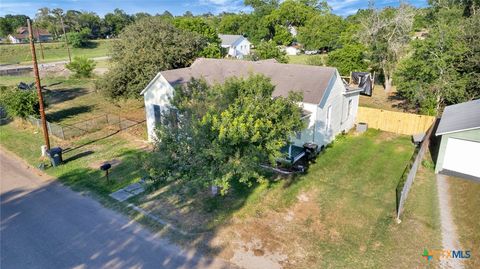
x=55 y=155
x=311 y=150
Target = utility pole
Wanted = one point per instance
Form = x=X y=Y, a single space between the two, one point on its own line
x=66 y=41
x=39 y=87
x=40 y=43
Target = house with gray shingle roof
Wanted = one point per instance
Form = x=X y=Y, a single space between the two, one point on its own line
x=237 y=46
x=22 y=35
x=459 y=151
x=329 y=107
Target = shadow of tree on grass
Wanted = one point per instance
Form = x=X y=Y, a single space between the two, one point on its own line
x=67 y=113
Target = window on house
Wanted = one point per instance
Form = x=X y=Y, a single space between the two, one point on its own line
x=299 y=135
x=328 y=122
x=349 y=108
x=157 y=114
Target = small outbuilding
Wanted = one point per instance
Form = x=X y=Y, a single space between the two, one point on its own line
x=459 y=152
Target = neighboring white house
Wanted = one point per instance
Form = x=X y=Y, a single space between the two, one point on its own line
x=293 y=31
x=329 y=107
x=459 y=151
x=292 y=50
x=237 y=46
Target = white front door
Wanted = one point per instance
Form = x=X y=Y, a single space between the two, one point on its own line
x=462 y=156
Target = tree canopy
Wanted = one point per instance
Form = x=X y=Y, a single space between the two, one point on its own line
x=269 y=50
x=321 y=32
x=429 y=54
x=140 y=53
x=443 y=68
x=220 y=134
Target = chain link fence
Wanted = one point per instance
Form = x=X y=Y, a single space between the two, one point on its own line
x=87 y=126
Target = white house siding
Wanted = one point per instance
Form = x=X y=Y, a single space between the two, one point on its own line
x=239 y=49
x=159 y=93
x=13 y=39
x=307 y=134
x=292 y=51
x=317 y=131
x=242 y=48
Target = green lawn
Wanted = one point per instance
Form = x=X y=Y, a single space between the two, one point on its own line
x=341 y=212
x=57 y=51
x=72 y=100
x=83 y=157
x=302 y=58
x=465 y=201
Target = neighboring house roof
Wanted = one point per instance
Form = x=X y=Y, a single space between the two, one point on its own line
x=460 y=117
x=22 y=33
x=230 y=40
x=312 y=81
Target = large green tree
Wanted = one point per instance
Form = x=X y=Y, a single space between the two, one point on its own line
x=115 y=22
x=197 y=25
x=321 y=32
x=269 y=50
x=223 y=133
x=201 y=26
x=10 y=23
x=347 y=59
x=387 y=34
x=140 y=53
x=444 y=68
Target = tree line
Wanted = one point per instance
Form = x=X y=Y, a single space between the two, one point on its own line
x=438 y=68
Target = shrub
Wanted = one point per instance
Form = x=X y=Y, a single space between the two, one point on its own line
x=79 y=39
x=81 y=66
x=19 y=103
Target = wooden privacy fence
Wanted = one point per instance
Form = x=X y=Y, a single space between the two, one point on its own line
x=395 y=122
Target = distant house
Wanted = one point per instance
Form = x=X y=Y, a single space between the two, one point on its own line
x=459 y=152
x=22 y=35
x=292 y=50
x=328 y=106
x=293 y=31
x=237 y=45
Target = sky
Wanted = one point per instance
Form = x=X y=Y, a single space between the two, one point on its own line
x=176 y=7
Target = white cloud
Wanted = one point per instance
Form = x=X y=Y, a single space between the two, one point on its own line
x=219 y=6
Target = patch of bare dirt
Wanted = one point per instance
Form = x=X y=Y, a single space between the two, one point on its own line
x=273 y=240
x=385 y=137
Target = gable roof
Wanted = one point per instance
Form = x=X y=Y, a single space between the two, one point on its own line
x=460 y=117
x=22 y=33
x=230 y=40
x=312 y=81
x=40 y=31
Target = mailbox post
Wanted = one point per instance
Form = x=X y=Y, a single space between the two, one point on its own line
x=105 y=168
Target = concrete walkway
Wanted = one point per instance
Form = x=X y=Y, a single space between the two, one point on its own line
x=449 y=231
x=46 y=225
